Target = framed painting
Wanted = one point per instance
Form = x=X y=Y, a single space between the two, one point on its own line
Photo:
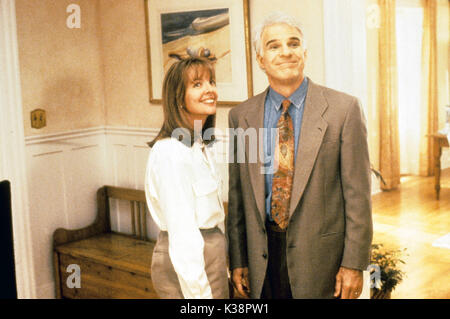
x=216 y=29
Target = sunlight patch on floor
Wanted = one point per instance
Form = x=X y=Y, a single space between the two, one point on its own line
x=442 y=242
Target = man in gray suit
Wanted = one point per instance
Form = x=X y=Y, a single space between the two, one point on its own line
x=304 y=230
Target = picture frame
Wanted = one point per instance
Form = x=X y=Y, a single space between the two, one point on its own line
x=217 y=29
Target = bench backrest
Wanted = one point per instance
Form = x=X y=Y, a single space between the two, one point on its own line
x=138 y=208
x=102 y=223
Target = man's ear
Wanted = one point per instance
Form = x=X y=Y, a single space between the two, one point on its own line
x=259 y=59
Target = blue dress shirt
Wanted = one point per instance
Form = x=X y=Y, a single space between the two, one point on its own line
x=272 y=113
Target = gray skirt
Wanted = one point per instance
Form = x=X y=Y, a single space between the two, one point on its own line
x=165 y=280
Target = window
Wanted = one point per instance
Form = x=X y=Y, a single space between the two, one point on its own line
x=409 y=22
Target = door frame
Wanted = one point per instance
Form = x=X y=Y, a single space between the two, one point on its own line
x=12 y=150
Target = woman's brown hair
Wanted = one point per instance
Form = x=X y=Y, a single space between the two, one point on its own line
x=173 y=93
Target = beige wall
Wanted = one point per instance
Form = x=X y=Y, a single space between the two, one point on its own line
x=60 y=68
x=125 y=65
x=98 y=75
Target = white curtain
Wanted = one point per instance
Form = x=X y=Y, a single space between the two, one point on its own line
x=409 y=50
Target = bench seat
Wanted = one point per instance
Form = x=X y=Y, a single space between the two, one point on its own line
x=112 y=265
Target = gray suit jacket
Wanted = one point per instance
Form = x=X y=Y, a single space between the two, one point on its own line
x=330 y=211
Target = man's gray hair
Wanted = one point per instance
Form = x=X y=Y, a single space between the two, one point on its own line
x=273 y=18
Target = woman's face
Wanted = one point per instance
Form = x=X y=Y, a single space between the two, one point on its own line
x=201 y=95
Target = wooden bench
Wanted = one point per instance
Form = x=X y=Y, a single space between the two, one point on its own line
x=112 y=264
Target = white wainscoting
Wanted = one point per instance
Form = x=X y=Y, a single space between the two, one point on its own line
x=64 y=172
x=127 y=153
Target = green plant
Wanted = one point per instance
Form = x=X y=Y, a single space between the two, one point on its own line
x=388 y=260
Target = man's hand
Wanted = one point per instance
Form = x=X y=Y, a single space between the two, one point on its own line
x=240 y=281
x=349 y=283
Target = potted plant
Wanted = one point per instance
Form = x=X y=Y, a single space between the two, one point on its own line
x=390 y=275
x=377 y=174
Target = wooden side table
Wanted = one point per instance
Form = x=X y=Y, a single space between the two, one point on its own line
x=440 y=141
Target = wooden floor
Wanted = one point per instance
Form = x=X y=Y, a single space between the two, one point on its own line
x=412 y=218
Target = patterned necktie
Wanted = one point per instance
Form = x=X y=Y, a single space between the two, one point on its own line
x=282 y=178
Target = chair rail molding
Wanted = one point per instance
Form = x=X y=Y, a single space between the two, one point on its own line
x=12 y=149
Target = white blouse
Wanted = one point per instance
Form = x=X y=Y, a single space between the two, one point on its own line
x=184 y=194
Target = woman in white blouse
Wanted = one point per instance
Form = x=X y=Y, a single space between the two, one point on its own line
x=183 y=188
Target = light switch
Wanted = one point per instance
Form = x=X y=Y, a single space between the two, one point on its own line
x=38 y=119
